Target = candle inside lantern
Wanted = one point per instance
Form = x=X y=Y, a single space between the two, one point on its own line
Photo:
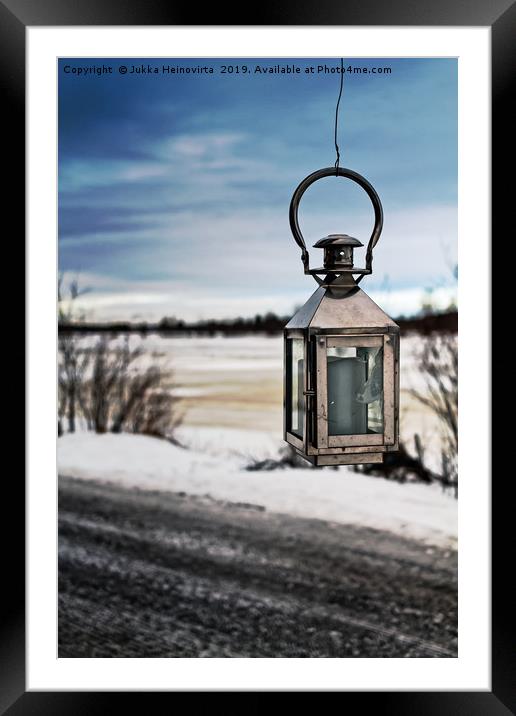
x=355 y=380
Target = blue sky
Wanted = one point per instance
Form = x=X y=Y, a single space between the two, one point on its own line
x=174 y=188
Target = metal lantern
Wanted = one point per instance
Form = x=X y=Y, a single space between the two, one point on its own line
x=341 y=377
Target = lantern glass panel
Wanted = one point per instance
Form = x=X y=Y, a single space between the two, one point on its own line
x=295 y=386
x=355 y=390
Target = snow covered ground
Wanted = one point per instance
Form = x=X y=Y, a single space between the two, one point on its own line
x=237 y=383
x=231 y=391
x=213 y=467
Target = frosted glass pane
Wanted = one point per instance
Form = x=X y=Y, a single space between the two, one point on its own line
x=355 y=391
x=295 y=386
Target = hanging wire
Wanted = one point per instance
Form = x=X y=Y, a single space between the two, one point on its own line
x=337 y=117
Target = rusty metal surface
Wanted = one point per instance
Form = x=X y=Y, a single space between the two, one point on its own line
x=295 y=442
x=341 y=310
x=321 y=393
x=301 y=319
x=355 y=440
x=354 y=341
x=389 y=391
x=351 y=310
x=349 y=459
x=352 y=450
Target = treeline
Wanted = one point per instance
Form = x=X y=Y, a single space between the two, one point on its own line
x=268 y=324
x=445 y=322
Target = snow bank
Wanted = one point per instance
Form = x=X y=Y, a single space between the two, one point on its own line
x=245 y=444
x=341 y=496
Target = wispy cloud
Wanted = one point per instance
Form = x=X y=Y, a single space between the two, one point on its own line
x=152 y=302
x=200 y=195
x=200 y=146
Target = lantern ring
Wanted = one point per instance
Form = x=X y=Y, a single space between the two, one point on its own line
x=375 y=200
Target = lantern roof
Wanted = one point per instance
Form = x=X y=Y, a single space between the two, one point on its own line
x=337 y=240
x=337 y=309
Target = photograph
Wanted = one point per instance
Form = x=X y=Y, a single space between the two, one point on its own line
x=257 y=357
x=255 y=262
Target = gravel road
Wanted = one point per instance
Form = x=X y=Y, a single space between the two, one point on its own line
x=149 y=574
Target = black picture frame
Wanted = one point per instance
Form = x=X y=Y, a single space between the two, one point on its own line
x=15 y=17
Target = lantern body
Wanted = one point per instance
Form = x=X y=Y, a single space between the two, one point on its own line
x=341 y=378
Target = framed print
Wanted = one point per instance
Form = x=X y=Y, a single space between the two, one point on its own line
x=256 y=489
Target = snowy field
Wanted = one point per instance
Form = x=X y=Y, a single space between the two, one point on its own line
x=231 y=390
x=237 y=382
x=340 y=496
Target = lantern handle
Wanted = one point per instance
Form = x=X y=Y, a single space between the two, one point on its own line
x=296 y=231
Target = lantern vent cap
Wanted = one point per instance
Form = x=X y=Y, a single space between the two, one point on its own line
x=338 y=252
x=337 y=240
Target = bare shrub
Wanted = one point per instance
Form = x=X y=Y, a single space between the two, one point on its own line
x=72 y=363
x=287 y=458
x=72 y=366
x=156 y=416
x=438 y=361
x=120 y=396
x=103 y=384
x=106 y=372
x=401 y=466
